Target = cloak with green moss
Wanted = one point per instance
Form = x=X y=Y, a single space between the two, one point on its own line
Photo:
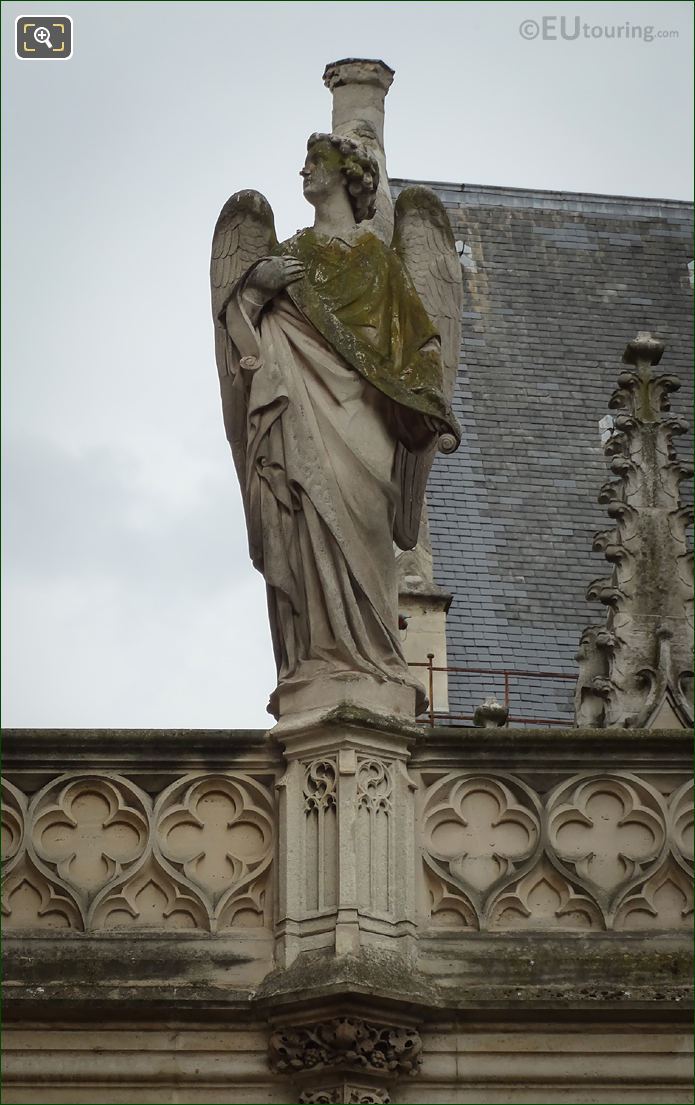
x=361 y=300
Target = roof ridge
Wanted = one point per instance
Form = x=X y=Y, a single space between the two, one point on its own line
x=497 y=189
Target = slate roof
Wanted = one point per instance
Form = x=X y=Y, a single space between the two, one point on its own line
x=555 y=285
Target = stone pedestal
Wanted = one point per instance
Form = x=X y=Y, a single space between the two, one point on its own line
x=307 y=705
x=346 y=813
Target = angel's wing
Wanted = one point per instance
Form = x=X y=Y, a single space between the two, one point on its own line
x=244 y=232
x=424 y=241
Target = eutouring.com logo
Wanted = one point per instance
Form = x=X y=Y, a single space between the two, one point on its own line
x=43 y=37
x=555 y=28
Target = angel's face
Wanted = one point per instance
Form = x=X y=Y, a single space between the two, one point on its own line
x=321 y=174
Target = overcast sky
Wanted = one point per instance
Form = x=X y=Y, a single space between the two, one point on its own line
x=129 y=597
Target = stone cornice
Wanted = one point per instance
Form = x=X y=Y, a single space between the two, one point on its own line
x=150 y=755
x=555 y=749
x=47 y=752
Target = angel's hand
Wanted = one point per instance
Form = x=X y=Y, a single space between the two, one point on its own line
x=272 y=276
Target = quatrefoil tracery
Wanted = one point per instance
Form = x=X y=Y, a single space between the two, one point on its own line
x=479 y=834
x=609 y=831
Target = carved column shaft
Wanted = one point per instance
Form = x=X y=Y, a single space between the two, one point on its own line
x=359 y=87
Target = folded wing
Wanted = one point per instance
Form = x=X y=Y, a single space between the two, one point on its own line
x=244 y=232
x=424 y=241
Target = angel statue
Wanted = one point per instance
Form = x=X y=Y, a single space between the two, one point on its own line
x=336 y=356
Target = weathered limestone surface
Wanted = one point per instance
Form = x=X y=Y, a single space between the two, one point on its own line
x=424 y=605
x=359 y=87
x=347 y=909
x=337 y=352
x=637 y=668
x=470 y=1060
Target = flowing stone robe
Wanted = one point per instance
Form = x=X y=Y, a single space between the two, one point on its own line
x=328 y=379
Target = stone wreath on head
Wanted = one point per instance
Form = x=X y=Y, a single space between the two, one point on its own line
x=359 y=169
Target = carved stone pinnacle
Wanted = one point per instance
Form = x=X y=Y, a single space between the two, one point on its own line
x=643 y=348
x=637 y=669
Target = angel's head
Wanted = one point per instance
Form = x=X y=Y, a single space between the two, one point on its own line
x=333 y=161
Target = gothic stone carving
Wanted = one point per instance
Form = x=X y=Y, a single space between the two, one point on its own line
x=609 y=831
x=346 y=1043
x=604 y=852
x=637 y=670
x=374 y=836
x=664 y=902
x=320 y=798
x=89 y=829
x=681 y=819
x=346 y=1094
x=479 y=832
x=544 y=899
x=215 y=835
x=90 y=852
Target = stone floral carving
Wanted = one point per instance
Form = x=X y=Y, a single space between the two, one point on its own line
x=357 y=1096
x=479 y=833
x=609 y=831
x=215 y=835
x=87 y=830
x=346 y=1094
x=345 y=1043
x=543 y=899
x=637 y=670
x=321 y=1097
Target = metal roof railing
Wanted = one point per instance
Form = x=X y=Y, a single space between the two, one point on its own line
x=432 y=716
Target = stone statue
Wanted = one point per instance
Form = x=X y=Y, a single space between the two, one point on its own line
x=336 y=355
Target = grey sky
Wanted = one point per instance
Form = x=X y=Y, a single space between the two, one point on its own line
x=129 y=597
